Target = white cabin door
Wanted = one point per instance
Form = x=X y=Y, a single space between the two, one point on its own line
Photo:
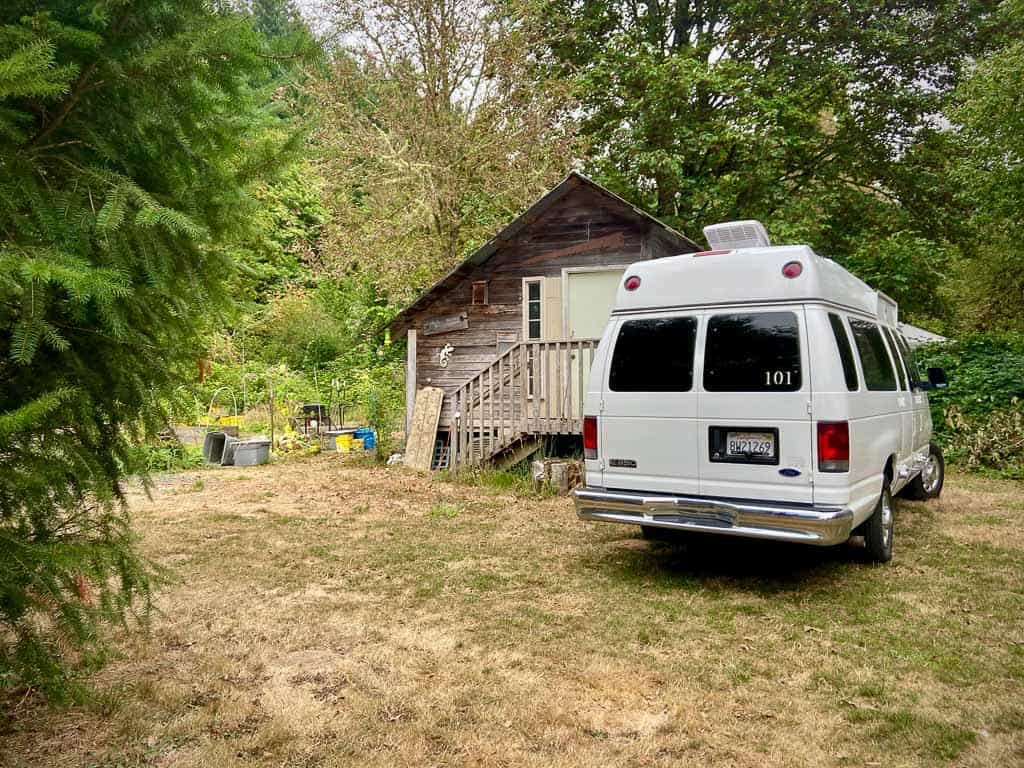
x=590 y=298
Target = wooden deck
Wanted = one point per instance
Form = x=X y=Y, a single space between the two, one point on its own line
x=533 y=389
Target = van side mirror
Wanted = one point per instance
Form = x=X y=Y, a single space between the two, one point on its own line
x=936 y=379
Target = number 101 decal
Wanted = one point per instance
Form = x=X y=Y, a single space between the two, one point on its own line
x=778 y=378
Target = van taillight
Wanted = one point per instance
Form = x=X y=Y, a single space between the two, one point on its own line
x=590 y=437
x=833 y=446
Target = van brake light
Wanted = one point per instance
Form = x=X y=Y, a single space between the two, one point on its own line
x=833 y=446
x=712 y=253
x=590 y=437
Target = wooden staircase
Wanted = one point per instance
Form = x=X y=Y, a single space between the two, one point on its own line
x=533 y=389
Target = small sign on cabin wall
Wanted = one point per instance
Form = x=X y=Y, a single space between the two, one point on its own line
x=435 y=325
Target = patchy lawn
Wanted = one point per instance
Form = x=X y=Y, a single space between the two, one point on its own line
x=336 y=614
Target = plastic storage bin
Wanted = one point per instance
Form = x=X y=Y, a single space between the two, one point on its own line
x=252 y=452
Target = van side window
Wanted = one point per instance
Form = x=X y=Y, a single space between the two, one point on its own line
x=845 y=351
x=878 y=372
x=910 y=359
x=756 y=352
x=654 y=355
x=901 y=364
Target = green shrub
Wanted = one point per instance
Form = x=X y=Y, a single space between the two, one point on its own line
x=170 y=457
x=991 y=442
x=986 y=374
x=297 y=330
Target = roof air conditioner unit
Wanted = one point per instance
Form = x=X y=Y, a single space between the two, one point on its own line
x=737 y=234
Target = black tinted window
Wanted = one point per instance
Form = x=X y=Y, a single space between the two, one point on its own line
x=910 y=360
x=654 y=355
x=878 y=372
x=757 y=352
x=845 y=351
x=901 y=367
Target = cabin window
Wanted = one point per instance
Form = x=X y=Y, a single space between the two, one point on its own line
x=533 y=297
x=756 y=352
x=654 y=355
x=480 y=292
x=874 y=359
x=534 y=302
x=845 y=350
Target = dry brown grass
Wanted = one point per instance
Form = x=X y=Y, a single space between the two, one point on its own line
x=331 y=614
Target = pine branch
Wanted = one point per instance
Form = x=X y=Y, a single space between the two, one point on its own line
x=77 y=90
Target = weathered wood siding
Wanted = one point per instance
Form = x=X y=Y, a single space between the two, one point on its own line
x=581 y=231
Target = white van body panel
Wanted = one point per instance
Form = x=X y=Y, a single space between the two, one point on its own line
x=654 y=448
x=666 y=457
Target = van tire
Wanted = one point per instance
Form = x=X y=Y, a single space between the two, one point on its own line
x=927 y=484
x=878 y=529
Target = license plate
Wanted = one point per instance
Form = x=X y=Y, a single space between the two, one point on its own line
x=749 y=444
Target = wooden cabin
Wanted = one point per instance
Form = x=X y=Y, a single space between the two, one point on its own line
x=510 y=333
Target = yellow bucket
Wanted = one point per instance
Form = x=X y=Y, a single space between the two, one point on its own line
x=344 y=443
x=357 y=443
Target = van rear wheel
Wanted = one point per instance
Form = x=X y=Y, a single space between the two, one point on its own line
x=928 y=482
x=878 y=529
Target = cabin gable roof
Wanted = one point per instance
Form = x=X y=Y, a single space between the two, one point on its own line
x=572 y=183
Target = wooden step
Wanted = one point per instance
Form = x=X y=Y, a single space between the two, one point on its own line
x=517 y=451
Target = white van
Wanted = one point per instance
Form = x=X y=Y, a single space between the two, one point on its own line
x=756 y=391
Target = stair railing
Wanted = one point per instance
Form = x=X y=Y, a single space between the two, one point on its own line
x=533 y=388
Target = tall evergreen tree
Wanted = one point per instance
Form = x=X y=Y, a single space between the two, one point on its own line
x=129 y=131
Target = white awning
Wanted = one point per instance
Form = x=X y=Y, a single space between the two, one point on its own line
x=916 y=337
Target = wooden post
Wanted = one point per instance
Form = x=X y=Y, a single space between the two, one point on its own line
x=270 y=395
x=410 y=379
x=524 y=383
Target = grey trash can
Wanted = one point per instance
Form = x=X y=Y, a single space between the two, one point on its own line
x=252 y=452
x=213 y=447
x=228 y=456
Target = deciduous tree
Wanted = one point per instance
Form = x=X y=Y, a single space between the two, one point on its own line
x=432 y=136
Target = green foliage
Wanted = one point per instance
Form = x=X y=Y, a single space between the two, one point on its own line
x=281 y=246
x=297 y=330
x=993 y=442
x=129 y=133
x=166 y=457
x=907 y=267
x=974 y=417
x=989 y=176
x=985 y=370
x=817 y=119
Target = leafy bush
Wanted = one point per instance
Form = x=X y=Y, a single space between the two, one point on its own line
x=991 y=442
x=145 y=459
x=297 y=330
x=986 y=374
x=978 y=419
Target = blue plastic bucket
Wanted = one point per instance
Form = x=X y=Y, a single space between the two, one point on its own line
x=368 y=437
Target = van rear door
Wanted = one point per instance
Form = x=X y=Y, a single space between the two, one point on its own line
x=755 y=428
x=648 y=417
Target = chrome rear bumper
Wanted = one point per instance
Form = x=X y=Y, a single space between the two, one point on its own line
x=823 y=526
